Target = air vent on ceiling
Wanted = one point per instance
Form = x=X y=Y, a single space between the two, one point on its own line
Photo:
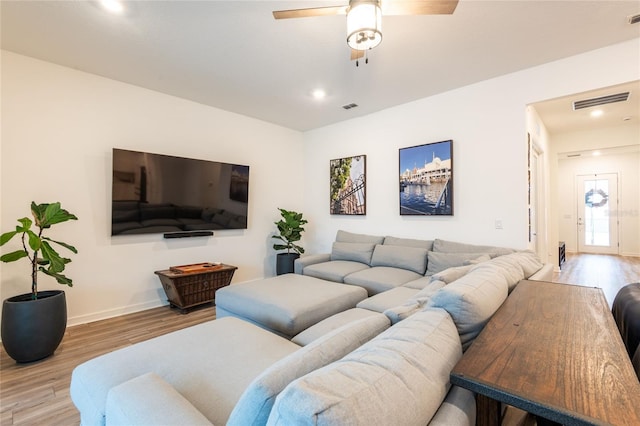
x=634 y=19
x=349 y=106
x=588 y=103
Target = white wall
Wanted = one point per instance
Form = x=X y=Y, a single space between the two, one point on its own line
x=487 y=122
x=626 y=165
x=59 y=125
x=58 y=128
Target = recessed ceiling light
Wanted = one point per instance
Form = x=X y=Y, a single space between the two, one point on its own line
x=113 y=6
x=319 y=94
x=596 y=153
x=596 y=113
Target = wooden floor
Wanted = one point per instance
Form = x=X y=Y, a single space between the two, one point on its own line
x=38 y=393
x=608 y=272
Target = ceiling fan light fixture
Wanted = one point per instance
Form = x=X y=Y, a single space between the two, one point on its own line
x=364 y=23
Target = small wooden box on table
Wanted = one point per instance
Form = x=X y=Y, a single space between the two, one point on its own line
x=192 y=285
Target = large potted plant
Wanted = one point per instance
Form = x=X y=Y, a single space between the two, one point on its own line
x=290 y=231
x=34 y=323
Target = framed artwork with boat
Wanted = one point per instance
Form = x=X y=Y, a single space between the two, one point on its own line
x=426 y=179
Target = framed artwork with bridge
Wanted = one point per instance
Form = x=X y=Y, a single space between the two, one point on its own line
x=426 y=179
x=347 y=183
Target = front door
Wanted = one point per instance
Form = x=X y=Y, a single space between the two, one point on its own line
x=598 y=213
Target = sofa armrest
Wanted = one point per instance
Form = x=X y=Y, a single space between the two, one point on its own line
x=543 y=274
x=148 y=400
x=303 y=262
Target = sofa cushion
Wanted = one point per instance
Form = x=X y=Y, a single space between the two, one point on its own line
x=458 y=408
x=334 y=270
x=149 y=400
x=380 y=278
x=449 y=275
x=440 y=261
x=528 y=261
x=387 y=299
x=408 y=242
x=479 y=259
x=419 y=283
x=413 y=304
x=399 y=378
x=350 y=237
x=355 y=252
x=210 y=375
x=455 y=247
x=509 y=268
x=410 y=258
x=472 y=300
x=256 y=402
x=327 y=325
x=286 y=304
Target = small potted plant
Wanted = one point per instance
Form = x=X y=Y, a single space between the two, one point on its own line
x=290 y=231
x=34 y=323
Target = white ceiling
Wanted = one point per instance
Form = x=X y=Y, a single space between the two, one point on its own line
x=235 y=56
x=559 y=116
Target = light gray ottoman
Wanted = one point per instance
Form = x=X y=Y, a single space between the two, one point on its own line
x=286 y=304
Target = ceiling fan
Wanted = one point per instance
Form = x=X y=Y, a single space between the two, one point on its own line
x=364 y=17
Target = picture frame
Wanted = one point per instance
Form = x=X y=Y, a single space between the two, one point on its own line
x=347 y=185
x=426 y=179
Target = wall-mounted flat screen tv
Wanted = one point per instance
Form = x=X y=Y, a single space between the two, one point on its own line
x=154 y=193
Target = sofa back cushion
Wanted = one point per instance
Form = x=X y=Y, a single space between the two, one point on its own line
x=508 y=266
x=438 y=262
x=527 y=260
x=256 y=402
x=408 y=242
x=472 y=299
x=400 y=377
x=410 y=258
x=355 y=252
x=449 y=275
x=455 y=247
x=414 y=303
x=149 y=400
x=350 y=237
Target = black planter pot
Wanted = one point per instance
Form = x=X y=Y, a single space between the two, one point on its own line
x=33 y=329
x=284 y=263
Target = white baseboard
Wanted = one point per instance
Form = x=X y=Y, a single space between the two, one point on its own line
x=97 y=316
x=630 y=254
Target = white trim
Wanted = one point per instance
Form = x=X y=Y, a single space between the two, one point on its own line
x=111 y=313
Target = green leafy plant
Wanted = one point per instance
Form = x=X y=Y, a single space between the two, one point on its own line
x=290 y=228
x=43 y=257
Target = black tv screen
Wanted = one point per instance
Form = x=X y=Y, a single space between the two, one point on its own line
x=154 y=193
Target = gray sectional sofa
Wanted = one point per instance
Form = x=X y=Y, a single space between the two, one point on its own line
x=273 y=357
x=379 y=263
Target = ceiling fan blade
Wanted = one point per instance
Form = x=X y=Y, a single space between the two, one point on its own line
x=307 y=13
x=418 y=7
x=356 y=54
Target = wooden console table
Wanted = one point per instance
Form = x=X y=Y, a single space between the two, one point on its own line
x=196 y=286
x=553 y=350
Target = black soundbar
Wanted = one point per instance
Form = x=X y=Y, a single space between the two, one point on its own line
x=185 y=234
